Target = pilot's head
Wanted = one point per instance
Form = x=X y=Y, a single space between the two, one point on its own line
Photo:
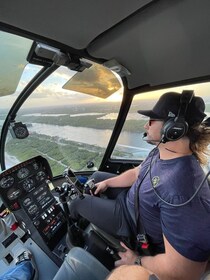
x=173 y=115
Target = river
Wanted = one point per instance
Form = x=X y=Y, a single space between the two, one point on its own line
x=128 y=142
x=131 y=142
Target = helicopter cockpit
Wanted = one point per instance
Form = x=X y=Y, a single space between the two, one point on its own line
x=72 y=78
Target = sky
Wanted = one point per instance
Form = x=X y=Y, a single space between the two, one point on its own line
x=50 y=92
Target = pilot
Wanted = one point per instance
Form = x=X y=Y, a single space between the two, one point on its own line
x=164 y=202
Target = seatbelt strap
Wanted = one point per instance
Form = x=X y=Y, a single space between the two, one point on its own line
x=141 y=236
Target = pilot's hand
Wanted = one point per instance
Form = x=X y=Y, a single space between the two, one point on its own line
x=100 y=187
x=128 y=257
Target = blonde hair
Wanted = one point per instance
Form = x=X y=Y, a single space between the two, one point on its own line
x=199 y=136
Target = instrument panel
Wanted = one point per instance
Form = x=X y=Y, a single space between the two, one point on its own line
x=25 y=187
x=19 y=181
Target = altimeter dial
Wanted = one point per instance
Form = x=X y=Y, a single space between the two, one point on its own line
x=7 y=182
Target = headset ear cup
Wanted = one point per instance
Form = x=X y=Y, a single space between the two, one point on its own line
x=173 y=130
x=166 y=127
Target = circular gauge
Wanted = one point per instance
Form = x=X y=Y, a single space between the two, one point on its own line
x=23 y=173
x=28 y=184
x=40 y=176
x=13 y=193
x=7 y=182
x=35 y=165
x=20 y=130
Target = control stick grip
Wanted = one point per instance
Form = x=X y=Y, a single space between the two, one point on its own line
x=89 y=187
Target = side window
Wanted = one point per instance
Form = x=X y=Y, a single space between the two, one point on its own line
x=130 y=144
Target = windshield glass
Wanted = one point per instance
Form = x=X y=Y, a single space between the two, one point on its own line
x=13 y=53
x=66 y=127
x=69 y=120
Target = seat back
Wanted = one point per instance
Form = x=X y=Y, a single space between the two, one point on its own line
x=79 y=264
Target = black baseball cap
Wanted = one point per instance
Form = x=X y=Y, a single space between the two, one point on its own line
x=168 y=107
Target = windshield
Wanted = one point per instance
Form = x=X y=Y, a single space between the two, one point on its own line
x=13 y=53
x=69 y=121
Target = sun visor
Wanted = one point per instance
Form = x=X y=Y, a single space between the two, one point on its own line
x=97 y=80
x=13 y=61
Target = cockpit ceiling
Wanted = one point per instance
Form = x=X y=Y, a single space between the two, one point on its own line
x=158 y=42
x=73 y=23
x=166 y=43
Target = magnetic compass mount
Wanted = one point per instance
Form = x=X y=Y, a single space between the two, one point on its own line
x=18 y=130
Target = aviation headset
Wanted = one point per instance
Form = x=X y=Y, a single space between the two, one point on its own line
x=176 y=127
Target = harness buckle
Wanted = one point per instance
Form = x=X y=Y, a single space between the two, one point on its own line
x=142 y=238
x=143 y=243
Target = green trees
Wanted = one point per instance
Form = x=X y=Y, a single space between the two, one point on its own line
x=59 y=153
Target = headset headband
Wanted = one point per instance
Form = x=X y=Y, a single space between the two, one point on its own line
x=185 y=99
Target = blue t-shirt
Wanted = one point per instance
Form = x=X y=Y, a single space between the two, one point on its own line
x=187 y=228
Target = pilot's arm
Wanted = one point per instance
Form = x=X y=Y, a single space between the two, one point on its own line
x=123 y=180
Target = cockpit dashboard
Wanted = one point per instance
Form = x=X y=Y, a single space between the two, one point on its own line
x=25 y=190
